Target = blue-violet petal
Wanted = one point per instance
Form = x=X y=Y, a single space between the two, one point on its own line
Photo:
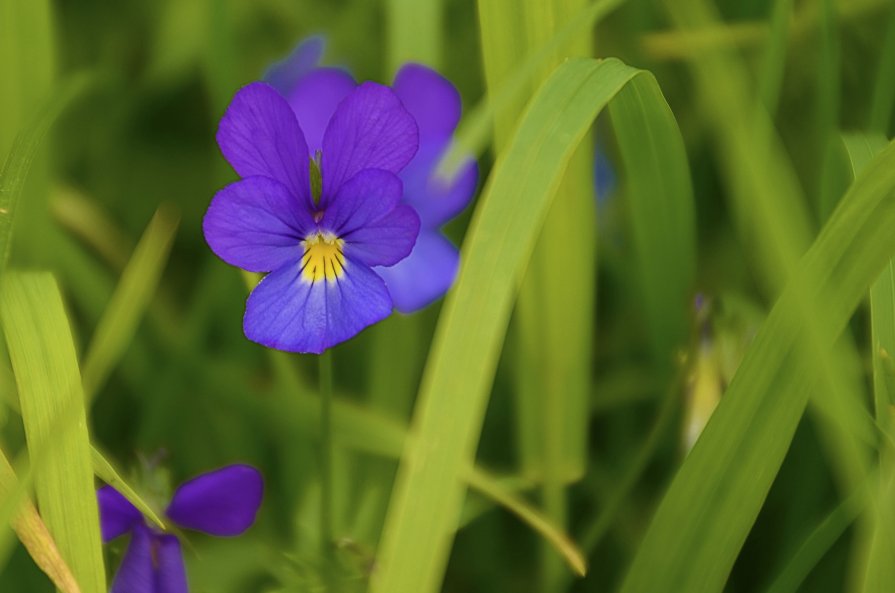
x=425 y=275
x=370 y=129
x=314 y=100
x=136 y=573
x=222 y=502
x=116 y=514
x=288 y=311
x=259 y=135
x=256 y=224
x=431 y=99
x=366 y=214
x=170 y=571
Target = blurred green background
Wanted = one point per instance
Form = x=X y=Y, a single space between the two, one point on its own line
x=190 y=393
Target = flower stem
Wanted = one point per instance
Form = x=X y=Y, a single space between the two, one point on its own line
x=326 y=455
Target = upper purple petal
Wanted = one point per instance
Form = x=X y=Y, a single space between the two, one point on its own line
x=287 y=312
x=256 y=224
x=259 y=135
x=284 y=75
x=369 y=130
x=170 y=574
x=437 y=199
x=425 y=275
x=222 y=502
x=136 y=574
x=431 y=99
x=314 y=100
x=366 y=215
x=116 y=514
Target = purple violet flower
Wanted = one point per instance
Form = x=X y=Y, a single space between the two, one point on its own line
x=317 y=220
x=429 y=271
x=222 y=502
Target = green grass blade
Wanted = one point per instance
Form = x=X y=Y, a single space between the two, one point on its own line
x=129 y=302
x=553 y=319
x=828 y=106
x=10 y=502
x=33 y=533
x=773 y=61
x=102 y=467
x=524 y=511
x=26 y=63
x=425 y=505
x=878 y=572
x=715 y=497
x=772 y=219
x=21 y=157
x=621 y=492
x=476 y=129
x=816 y=545
x=362 y=430
x=656 y=177
x=414 y=33
x=884 y=89
x=861 y=149
x=52 y=401
x=106 y=472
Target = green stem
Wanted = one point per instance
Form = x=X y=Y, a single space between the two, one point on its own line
x=326 y=455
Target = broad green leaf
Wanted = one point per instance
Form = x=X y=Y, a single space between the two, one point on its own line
x=710 y=506
x=426 y=502
x=33 y=533
x=129 y=302
x=24 y=151
x=52 y=401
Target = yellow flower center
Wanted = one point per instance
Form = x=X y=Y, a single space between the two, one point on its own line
x=322 y=257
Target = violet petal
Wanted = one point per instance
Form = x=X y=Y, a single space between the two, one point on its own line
x=366 y=215
x=222 y=502
x=288 y=312
x=435 y=199
x=136 y=574
x=430 y=98
x=259 y=135
x=170 y=571
x=425 y=275
x=314 y=100
x=369 y=130
x=117 y=515
x=256 y=224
